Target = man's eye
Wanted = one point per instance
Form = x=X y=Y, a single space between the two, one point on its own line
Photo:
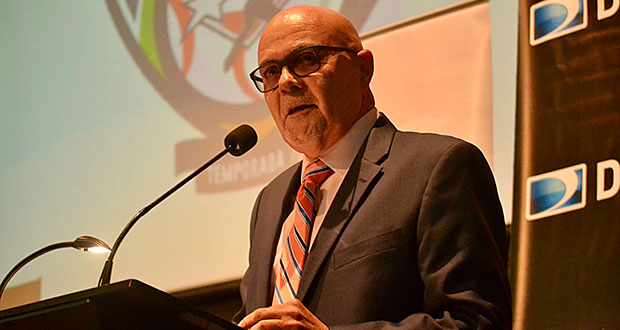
x=306 y=58
x=269 y=71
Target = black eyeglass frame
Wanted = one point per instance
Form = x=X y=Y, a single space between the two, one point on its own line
x=315 y=49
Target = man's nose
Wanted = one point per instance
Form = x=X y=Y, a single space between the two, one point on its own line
x=288 y=81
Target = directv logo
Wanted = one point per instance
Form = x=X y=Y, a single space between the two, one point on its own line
x=551 y=19
x=556 y=192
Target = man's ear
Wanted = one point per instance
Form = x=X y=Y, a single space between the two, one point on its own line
x=367 y=66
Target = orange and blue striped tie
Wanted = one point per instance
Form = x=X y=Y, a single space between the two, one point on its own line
x=295 y=249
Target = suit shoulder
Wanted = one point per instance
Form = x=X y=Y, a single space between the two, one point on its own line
x=432 y=145
x=429 y=138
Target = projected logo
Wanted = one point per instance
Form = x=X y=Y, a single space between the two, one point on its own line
x=556 y=192
x=197 y=55
x=552 y=19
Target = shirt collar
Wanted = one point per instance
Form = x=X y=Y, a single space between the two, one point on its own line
x=340 y=156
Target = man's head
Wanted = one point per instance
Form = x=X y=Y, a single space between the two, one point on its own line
x=314 y=111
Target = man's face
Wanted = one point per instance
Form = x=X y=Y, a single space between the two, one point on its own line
x=315 y=111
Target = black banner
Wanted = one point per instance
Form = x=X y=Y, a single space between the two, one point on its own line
x=565 y=253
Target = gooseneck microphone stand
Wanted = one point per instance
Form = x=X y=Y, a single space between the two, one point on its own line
x=237 y=142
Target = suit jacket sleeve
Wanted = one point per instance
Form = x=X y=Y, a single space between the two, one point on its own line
x=461 y=249
x=243 y=287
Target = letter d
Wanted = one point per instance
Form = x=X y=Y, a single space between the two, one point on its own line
x=601 y=193
x=603 y=13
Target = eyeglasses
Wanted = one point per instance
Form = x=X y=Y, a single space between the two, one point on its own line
x=301 y=62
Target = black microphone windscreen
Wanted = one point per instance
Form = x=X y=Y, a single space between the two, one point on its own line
x=240 y=140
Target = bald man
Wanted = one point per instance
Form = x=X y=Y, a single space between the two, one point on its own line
x=375 y=228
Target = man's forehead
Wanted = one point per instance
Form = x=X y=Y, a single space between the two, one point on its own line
x=277 y=44
x=304 y=26
x=280 y=52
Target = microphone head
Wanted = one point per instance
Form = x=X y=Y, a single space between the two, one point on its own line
x=240 y=140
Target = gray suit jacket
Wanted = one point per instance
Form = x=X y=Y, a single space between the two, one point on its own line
x=415 y=238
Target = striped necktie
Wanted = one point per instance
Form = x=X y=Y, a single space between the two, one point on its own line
x=295 y=249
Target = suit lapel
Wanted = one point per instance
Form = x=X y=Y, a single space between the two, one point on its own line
x=361 y=177
x=269 y=231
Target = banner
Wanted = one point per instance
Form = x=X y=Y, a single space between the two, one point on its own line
x=565 y=264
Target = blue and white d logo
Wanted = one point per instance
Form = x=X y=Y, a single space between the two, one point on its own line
x=551 y=19
x=556 y=192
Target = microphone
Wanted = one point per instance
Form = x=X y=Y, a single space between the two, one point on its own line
x=240 y=140
x=237 y=142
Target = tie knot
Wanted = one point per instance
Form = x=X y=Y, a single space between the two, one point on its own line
x=317 y=171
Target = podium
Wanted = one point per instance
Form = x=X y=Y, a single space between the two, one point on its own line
x=129 y=304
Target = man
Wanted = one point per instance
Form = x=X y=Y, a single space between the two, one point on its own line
x=389 y=229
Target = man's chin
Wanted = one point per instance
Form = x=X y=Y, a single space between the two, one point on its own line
x=308 y=145
x=305 y=136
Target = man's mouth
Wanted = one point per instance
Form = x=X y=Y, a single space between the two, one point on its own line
x=300 y=108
